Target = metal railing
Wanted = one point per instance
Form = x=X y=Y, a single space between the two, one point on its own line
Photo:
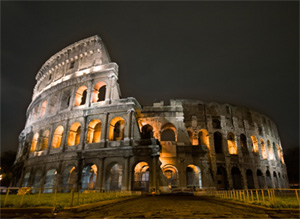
x=282 y=198
x=53 y=197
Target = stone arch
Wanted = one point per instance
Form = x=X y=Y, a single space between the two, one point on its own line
x=250 y=180
x=269 y=180
x=203 y=138
x=141 y=177
x=270 y=150
x=74 y=134
x=50 y=180
x=43 y=108
x=34 y=142
x=89 y=176
x=45 y=138
x=116 y=129
x=193 y=176
x=80 y=96
x=94 y=131
x=216 y=123
x=221 y=178
x=236 y=178
x=99 y=92
x=244 y=147
x=218 y=141
x=57 y=137
x=263 y=149
x=69 y=178
x=254 y=144
x=275 y=151
x=260 y=179
x=147 y=132
x=168 y=132
x=232 y=148
x=171 y=174
x=114 y=177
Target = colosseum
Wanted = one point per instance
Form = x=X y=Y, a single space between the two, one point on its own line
x=80 y=133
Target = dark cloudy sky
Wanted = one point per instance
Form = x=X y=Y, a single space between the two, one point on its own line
x=243 y=53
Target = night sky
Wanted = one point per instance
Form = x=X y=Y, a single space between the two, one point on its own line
x=243 y=53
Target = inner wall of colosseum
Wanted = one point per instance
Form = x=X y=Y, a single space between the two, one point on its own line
x=80 y=134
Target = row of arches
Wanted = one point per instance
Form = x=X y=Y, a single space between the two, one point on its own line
x=116 y=133
x=98 y=95
x=263 y=180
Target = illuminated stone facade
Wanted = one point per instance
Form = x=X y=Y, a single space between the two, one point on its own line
x=80 y=133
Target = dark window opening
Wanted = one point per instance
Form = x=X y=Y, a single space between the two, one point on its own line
x=83 y=97
x=101 y=93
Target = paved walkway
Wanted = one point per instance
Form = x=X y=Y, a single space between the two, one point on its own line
x=176 y=206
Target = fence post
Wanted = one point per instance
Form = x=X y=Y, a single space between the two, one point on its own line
x=38 y=199
x=296 y=190
x=72 y=197
x=270 y=199
x=6 y=196
x=257 y=197
x=252 y=195
x=245 y=195
x=263 y=195
x=21 y=202
x=274 y=197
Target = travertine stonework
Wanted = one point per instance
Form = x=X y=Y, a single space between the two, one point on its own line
x=80 y=133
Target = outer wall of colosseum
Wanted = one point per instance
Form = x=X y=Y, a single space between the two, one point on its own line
x=81 y=134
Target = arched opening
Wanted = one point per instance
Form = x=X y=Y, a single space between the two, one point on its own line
x=25 y=179
x=57 y=137
x=221 y=178
x=270 y=150
x=250 y=180
x=50 y=181
x=218 y=142
x=269 y=180
x=216 y=124
x=114 y=177
x=171 y=174
x=193 y=177
x=89 y=177
x=141 y=177
x=263 y=149
x=74 y=134
x=260 y=178
x=203 y=138
x=232 y=148
x=94 y=131
x=116 y=129
x=34 y=142
x=45 y=138
x=99 y=92
x=80 y=96
x=37 y=181
x=254 y=144
x=244 y=147
x=191 y=136
x=69 y=178
x=236 y=178
x=275 y=151
x=43 y=108
x=147 y=132
x=275 y=179
x=168 y=132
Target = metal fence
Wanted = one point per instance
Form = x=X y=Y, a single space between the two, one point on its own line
x=269 y=197
x=50 y=197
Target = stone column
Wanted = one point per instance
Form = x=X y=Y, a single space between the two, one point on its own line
x=126 y=180
x=100 y=174
x=106 y=129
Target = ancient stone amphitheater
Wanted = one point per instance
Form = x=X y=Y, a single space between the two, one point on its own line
x=81 y=134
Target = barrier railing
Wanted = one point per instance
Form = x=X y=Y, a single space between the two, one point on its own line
x=53 y=197
x=281 y=198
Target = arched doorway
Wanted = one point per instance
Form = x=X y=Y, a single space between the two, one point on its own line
x=147 y=132
x=275 y=179
x=269 y=180
x=236 y=178
x=193 y=177
x=69 y=178
x=260 y=179
x=89 y=177
x=250 y=180
x=171 y=174
x=50 y=181
x=114 y=178
x=141 y=177
x=221 y=178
